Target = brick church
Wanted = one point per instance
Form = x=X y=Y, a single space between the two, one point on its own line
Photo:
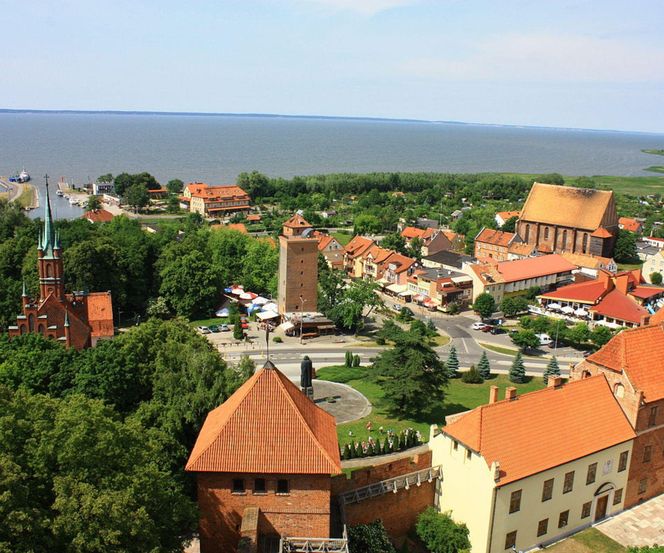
x=77 y=320
x=264 y=462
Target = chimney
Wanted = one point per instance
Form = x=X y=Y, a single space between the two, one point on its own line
x=555 y=382
x=622 y=283
x=493 y=394
x=510 y=393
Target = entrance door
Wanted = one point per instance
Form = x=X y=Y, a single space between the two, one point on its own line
x=600 y=509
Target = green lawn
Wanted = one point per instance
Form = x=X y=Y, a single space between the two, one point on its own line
x=655 y=169
x=503 y=350
x=636 y=186
x=27 y=197
x=208 y=322
x=590 y=540
x=460 y=397
x=629 y=266
x=342 y=237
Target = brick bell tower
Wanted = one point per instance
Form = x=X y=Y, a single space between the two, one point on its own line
x=49 y=257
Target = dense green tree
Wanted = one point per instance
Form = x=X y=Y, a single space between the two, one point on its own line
x=93 y=203
x=552 y=178
x=625 y=248
x=518 y=370
x=157 y=307
x=440 y=533
x=510 y=224
x=136 y=196
x=472 y=376
x=367 y=224
x=356 y=303
x=175 y=186
x=411 y=374
x=190 y=285
x=124 y=181
x=107 y=178
x=484 y=366
x=600 y=335
x=452 y=363
x=512 y=306
x=578 y=334
x=369 y=538
x=656 y=278
x=255 y=184
x=552 y=370
x=394 y=241
x=484 y=305
x=525 y=339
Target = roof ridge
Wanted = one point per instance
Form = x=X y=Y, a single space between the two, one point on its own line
x=301 y=417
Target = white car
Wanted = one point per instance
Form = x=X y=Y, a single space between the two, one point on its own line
x=479 y=326
x=544 y=339
x=203 y=329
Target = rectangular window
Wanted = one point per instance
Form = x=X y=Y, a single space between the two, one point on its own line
x=592 y=472
x=515 y=501
x=643 y=485
x=622 y=463
x=617 y=496
x=547 y=490
x=282 y=486
x=652 y=420
x=585 y=510
x=562 y=519
x=259 y=485
x=647 y=453
x=542 y=527
x=469 y=454
x=238 y=485
x=510 y=540
x=568 y=485
x=455 y=445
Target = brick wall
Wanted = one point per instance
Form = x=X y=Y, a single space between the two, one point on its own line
x=298 y=274
x=305 y=511
x=398 y=511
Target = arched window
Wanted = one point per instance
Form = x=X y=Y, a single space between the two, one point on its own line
x=619 y=390
x=31 y=322
x=49 y=270
x=585 y=374
x=564 y=244
x=527 y=233
x=546 y=233
x=585 y=242
x=21 y=329
x=40 y=329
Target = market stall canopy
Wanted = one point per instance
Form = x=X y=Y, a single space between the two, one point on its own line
x=567 y=309
x=271 y=307
x=260 y=300
x=265 y=315
x=286 y=326
x=553 y=305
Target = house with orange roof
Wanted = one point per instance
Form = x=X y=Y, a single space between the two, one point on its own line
x=331 y=249
x=612 y=299
x=77 y=320
x=98 y=216
x=433 y=239
x=527 y=471
x=564 y=218
x=590 y=264
x=503 y=216
x=264 y=461
x=510 y=278
x=494 y=244
x=437 y=288
x=372 y=260
x=353 y=252
x=633 y=364
x=214 y=201
x=395 y=269
x=630 y=224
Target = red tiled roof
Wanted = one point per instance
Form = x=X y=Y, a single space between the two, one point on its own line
x=658 y=317
x=100 y=314
x=533 y=267
x=325 y=240
x=412 y=232
x=253 y=217
x=645 y=292
x=98 y=216
x=296 y=221
x=211 y=193
x=619 y=306
x=357 y=246
x=632 y=225
x=267 y=426
x=403 y=262
x=495 y=237
x=522 y=438
x=505 y=215
x=601 y=232
x=639 y=353
x=589 y=291
x=379 y=254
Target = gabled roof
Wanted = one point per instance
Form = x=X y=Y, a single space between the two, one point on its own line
x=589 y=291
x=587 y=260
x=413 y=232
x=533 y=267
x=520 y=435
x=495 y=237
x=98 y=216
x=100 y=314
x=297 y=221
x=267 y=426
x=224 y=191
x=402 y=262
x=505 y=215
x=566 y=206
x=357 y=246
x=639 y=353
x=377 y=253
x=630 y=224
x=620 y=306
x=601 y=232
x=521 y=248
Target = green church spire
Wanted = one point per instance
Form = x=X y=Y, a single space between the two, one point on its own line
x=48 y=236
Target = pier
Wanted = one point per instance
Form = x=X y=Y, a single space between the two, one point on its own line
x=23 y=193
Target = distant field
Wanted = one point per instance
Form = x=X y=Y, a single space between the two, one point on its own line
x=636 y=186
x=655 y=169
x=654 y=152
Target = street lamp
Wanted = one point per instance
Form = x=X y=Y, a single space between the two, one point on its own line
x=302 y=300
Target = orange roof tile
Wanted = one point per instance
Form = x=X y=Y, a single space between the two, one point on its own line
x=587 y=260
x=505 y=215
x=377 y=253
x=403 y=262
x=632 y=225
x=267 y=426
x=574 y=207
x=98 y=216
x=224 y=191
x=589 y=291
x=639 y=353
x=658 y=317
x=495 y=237
x=520 y=436
x=619 y=306
x=357 y=246
x=297 y=221
x=521 y=248
x=100 y=313
x=325 y=240
x=644 y=292
x=533 y=267
x=412 y=232
x=601 y=232
x=253 y=217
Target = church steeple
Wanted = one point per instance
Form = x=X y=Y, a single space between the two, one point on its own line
x=48 y=236
x=51 y=273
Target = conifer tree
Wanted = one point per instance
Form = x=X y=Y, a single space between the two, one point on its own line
x=484 y=367
x=349 y=359
x=452 y=363
x=552 y=370
x=518 y=371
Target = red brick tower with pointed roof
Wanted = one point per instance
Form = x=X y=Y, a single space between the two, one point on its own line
x=270 y=450
x=298 y=267
x=77 y=320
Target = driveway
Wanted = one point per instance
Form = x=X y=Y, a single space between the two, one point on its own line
x=638 y=526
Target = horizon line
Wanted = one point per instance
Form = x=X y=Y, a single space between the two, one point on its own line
x=303 y=116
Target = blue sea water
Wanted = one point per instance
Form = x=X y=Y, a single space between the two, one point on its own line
x=215 y=148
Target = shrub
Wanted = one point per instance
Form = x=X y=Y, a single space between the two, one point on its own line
x=369 y=538
x=277 y=340
x=405 y=315
x=656 y=278
x=348 y=359
x=356 y=360
x=517 y=370
x=440 y=533
x=483 y=367
x=452 y=363
x=472 y=376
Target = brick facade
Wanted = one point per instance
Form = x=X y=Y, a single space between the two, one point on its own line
x=298 y=268
x=304 y=511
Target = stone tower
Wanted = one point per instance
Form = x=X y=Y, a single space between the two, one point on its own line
x=298 y=267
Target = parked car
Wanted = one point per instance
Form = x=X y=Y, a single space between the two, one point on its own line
x=487 y=328
x=497 y=330
x=544 y=339
x=478 y=325
x=224 y=328
x=396 y=307
x=213 y=328
x=203 y=329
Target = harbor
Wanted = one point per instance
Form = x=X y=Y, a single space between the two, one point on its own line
x=23 y=193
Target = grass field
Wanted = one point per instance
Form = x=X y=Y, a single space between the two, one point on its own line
x=636 y=186
x=27 y=197
x=655 y=169
x=460 y=397
x=342 y=237
x=590 y=540
x=208 y=322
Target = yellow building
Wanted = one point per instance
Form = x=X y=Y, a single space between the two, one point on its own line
x=533 y=469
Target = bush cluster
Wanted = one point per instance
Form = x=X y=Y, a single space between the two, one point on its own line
x=393 y=442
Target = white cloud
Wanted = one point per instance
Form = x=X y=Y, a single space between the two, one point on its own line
x=546 y=58
x=364 y=7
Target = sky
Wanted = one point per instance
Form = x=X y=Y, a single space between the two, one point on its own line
x=561 y=63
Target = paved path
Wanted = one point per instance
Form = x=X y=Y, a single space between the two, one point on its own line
x=638 y=526
x=348 y=404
